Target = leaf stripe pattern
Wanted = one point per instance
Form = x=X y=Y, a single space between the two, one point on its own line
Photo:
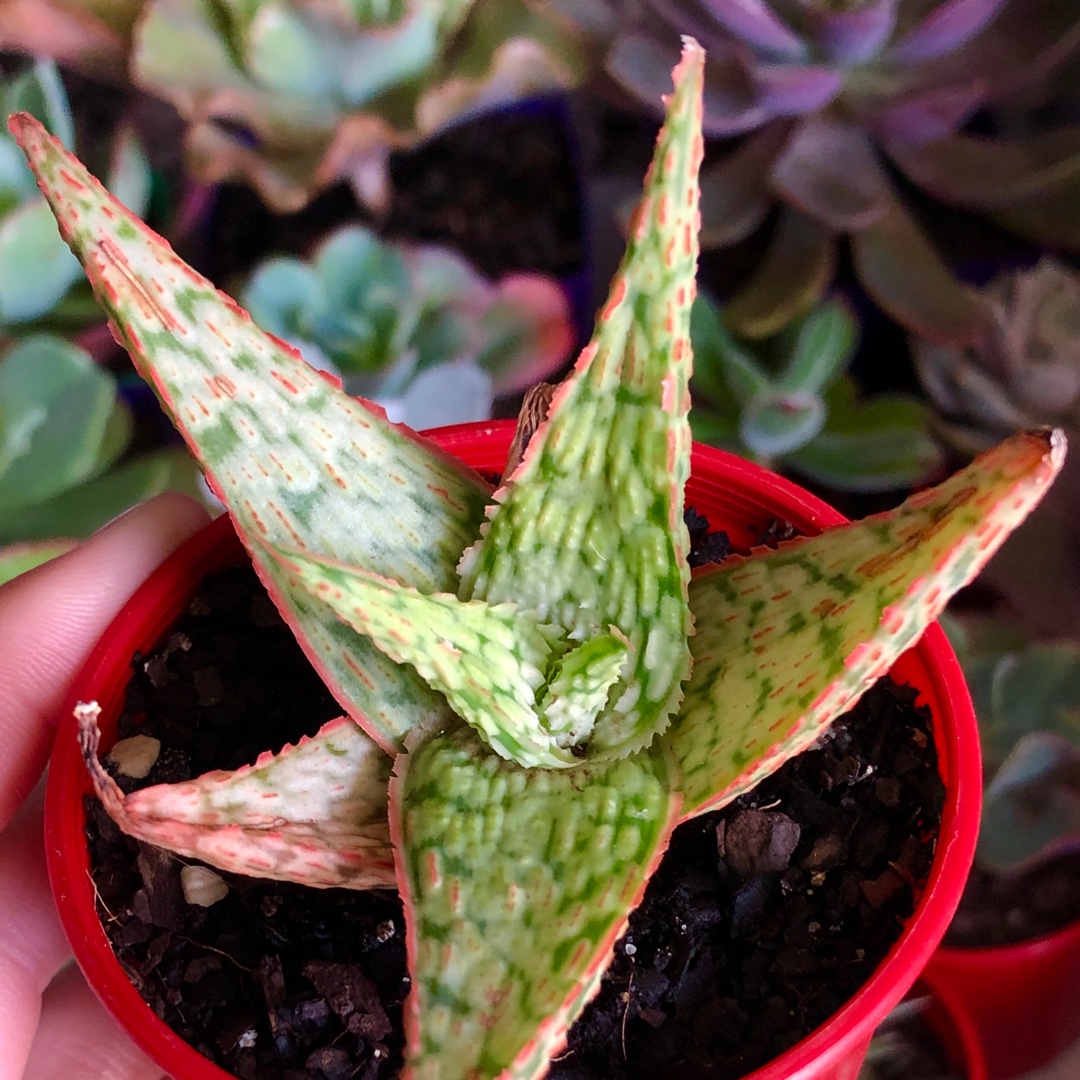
x=588 y=531
x=315 y=813
x=517 y=884
x=344 y=482
x=789 y=639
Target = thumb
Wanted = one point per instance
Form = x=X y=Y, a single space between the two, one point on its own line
x=51 y=617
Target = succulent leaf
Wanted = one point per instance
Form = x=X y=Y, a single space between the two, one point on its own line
x=82 y=510
x=315 y=813
x=735 y=198
x=970 y=170
x=235 y=393
x=55 y=410
x=588 y=531
x=756 y=22
x=517 y=884
x=881 y=444
x=948 y=26
x=490 y=660
x=901 y=270
x=798 y=266
x=830 y=170
x=855 y=34
x=823 y=347
x=1031 y=808
x=790 y=638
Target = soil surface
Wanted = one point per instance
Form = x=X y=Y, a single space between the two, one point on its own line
x=761 y=921
x=1001 y=909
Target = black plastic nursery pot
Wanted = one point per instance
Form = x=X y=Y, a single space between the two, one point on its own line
x=735 y=496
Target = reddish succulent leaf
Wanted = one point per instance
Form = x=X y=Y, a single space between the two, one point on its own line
x=735 y=198
x=789 y=639
x=345 y=482
x=987 y=174
x=796 y=89
x=588 y=531
x=316 y=813
x=755 y=21
x=857 y=34
x=517 y=883
x=1027 y=40
x=797 y=269
x=924 y=117
x=949 y=25
x=830 y=170
x=898 y=266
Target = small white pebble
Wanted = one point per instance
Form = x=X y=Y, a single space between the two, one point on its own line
x=385 y=930
x=813 y=927
x=247 y=1040
x=630 y=948
x=202 y=886
x=135 y=757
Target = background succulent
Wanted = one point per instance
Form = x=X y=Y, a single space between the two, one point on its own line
x=787 y=402
x=65 y=441
x=293 y=95
x=1027 y=699
x=40 y=280
x=831 y=98
x=415 y=328
x=91 y=35
x=1023 y=372
x=548 y=674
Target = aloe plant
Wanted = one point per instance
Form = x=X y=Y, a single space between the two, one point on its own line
x=787 y=402
x=65 y=466
x=830 y=99
x=548 y=674
x=37 y=271
x=415 y=328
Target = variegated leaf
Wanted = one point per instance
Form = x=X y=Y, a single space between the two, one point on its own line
x=315 y=813
x=295 y=460
x=587 y=532
x=491 y=661
x=789 y=639
x=517 y=883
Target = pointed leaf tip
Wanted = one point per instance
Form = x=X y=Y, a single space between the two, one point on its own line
x=295 y=460
x=789 y=639
x=589 y=532
x=315 y=813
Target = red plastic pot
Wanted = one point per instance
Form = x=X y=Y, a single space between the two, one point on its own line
x=735 y=495
x=949 y=1018
x=1025 y=998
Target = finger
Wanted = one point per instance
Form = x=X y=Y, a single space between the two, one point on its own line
x=51 y=617
x=77 y=1037
x=32 y=945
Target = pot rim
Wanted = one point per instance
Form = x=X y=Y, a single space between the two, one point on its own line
x=741 y=485
x=1064 y=939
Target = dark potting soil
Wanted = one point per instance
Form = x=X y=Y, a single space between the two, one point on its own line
x=762 y=920
x=502 y=189
x=998 y=909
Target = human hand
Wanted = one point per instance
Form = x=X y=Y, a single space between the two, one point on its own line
x=51 y=1025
